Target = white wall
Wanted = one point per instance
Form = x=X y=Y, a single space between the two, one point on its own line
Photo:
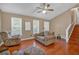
x=77 y=14
x=60 y=24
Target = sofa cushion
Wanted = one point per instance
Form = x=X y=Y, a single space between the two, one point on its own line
x=12 y=41
x=1 y=41
x=46 y=40
x=41 y=34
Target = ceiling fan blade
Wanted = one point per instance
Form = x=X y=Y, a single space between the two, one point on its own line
x=39 y=11
x=43 y=5
x=49 y=9
x=35 y=10
x=38 y=8
x=48 y=5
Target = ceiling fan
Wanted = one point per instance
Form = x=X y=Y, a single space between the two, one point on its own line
x=44 y=8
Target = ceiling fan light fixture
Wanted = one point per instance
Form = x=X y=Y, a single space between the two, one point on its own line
x=44 y=11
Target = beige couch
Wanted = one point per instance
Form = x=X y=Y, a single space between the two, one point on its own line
x=45 y=38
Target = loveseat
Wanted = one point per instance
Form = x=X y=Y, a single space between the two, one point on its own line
x=46 y=38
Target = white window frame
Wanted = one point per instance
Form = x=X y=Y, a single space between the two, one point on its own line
x=36 y=26
x=27 y=26
x=46 y=25
x=12 y=25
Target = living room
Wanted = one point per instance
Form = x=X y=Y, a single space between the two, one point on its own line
x=36 y=28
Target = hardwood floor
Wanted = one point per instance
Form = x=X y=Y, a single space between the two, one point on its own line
x=60 y=47
x=57 y=48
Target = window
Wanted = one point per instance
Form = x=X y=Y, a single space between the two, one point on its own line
x=35 y=26
x=27 y=26
x=16 y=24
x=46 y=26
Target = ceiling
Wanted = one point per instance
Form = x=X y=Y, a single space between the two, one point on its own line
x=28 y=8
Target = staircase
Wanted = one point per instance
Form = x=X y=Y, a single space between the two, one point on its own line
x=73 y=44
x=75 y=34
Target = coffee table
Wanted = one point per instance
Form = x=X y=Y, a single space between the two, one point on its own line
x=31 y=50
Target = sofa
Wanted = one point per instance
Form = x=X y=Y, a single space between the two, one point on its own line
x=15 y=40
x=46 y=38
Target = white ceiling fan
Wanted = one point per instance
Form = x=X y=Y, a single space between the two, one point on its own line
x=44 y=8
